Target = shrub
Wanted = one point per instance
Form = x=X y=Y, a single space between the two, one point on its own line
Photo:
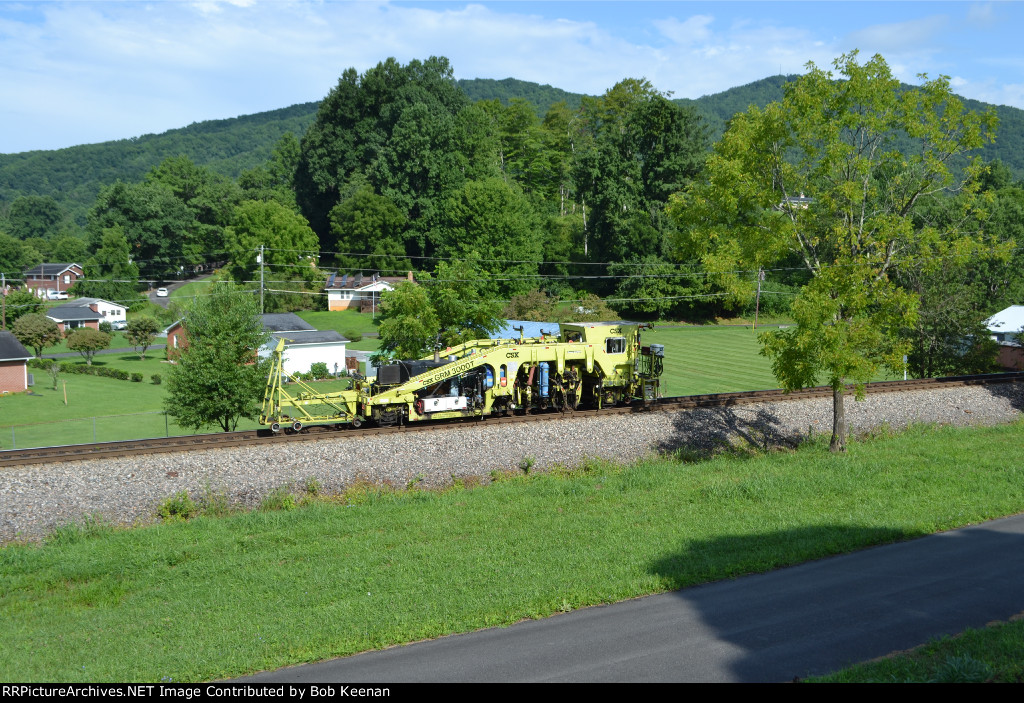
x=352 y=335
x=136 y=377
x=156 y=379
x=281 y=498
x=178 y=507
x=106 y=327
x=319 y=370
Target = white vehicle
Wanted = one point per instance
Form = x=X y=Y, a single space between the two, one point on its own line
x=56 y=294
x=161 y=292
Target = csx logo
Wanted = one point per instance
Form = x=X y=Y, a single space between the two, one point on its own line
x=512 y=355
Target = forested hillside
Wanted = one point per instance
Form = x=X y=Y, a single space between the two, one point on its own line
x=73 y=176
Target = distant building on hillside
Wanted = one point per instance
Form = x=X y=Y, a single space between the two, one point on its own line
x=359 y=292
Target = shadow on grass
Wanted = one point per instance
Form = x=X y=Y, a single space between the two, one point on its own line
x=820 y=616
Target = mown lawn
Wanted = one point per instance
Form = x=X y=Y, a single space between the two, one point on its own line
x=343 y=321
x=715 y=359
x=219 y=597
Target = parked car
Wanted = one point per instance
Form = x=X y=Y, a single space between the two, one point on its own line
x=56 y=294
x=119 y=324
x=161 y=292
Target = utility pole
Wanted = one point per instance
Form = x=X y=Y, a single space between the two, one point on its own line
x=757 y=302
x=259 y=258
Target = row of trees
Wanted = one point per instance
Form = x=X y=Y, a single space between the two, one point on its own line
x=38 y=332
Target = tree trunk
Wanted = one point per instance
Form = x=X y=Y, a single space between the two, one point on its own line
x=838 y=443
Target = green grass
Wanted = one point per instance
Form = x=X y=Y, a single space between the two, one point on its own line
x=212 y=598
x=714 y=359
x=991 y=654
x=343 y=321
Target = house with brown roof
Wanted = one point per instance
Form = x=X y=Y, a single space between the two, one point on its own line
x=52 y=277
x=356 y=291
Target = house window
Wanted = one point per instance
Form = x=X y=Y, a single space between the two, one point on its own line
x=67 y=278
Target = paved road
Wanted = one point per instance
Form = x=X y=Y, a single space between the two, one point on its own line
x=809 y=619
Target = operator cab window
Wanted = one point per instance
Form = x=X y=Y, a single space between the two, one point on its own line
x=615 y=345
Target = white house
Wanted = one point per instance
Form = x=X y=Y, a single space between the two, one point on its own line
x=345 y=291
x=1005 y=325
x=305 y=348
x=304 y=345
x=109 y=312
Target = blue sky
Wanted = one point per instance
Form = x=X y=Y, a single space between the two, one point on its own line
x=83 y=72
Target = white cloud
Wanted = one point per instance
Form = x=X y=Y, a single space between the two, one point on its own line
x=79 y=72
x=691 y=30
x=898 y=37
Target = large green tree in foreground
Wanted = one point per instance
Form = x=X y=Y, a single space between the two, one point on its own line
x=833 y=174
x=218 y=379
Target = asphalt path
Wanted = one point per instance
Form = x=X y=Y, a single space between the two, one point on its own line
x=814 y=618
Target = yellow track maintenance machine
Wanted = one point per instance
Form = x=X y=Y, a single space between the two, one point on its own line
x=587 y=364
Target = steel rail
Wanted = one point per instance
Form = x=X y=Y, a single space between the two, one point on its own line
x=185 y=443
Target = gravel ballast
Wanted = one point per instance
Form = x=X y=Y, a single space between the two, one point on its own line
x=36 y=499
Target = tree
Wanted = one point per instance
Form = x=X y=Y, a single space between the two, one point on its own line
x=442 y=312
x=408 y=323
x=219 y=378
x=87 y=341
x=290 y=248
x=399 y=126
x=36 y=331
x=641 y=147
x=19 y=303
x=141 y=332
x=35 y=216
x=833 y=174
x=495 y=223
x=16 y=256
x=161 y=231
x=368 y=232
x=110 y=273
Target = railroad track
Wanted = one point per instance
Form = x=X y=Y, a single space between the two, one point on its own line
x=105 y=450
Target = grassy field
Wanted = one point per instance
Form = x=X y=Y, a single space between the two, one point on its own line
x=343 y=321
x=217 y=597
x=992 y=654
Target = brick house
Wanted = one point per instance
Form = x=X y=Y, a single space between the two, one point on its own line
x=13 y=369
x=70 y=317
x=1005 y=327
x=55 y=277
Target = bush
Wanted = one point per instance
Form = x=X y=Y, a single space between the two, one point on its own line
x=178 y=507
x=319 y=370
x=156 y=379
x=106 y=327
x=136 y=377
x=281 y=498
x=352 y=335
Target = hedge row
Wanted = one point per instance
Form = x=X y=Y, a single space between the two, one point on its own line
x=69 y=367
